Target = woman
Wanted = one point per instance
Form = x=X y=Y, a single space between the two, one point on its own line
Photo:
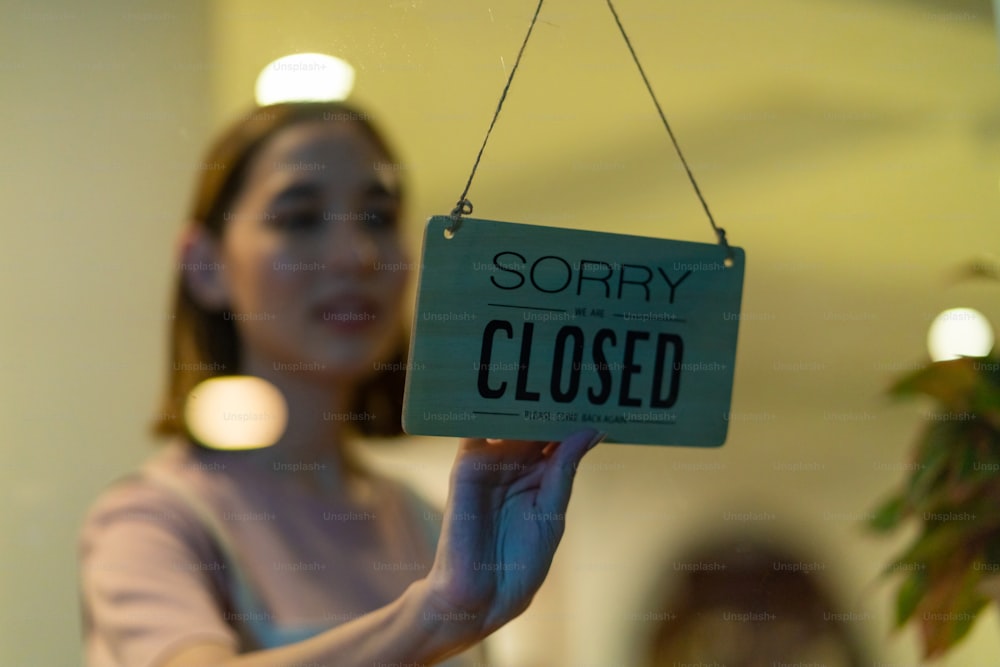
x=295 y=554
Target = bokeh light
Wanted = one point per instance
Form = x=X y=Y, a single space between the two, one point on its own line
x=959 y=332
x=304 y=77
x=236 y=412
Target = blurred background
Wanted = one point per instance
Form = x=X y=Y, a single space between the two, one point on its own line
x=852 y=147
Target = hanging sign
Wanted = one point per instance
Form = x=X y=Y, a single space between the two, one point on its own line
x=530 y=332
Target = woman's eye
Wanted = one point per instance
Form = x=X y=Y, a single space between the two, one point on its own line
x=300 y=219
x=380 y=219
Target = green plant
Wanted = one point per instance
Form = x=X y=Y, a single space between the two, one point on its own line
x=952 y=569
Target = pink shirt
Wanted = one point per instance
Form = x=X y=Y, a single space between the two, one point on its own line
x=200 y=546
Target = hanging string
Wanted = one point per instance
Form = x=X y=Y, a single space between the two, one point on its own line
x=464 y=206
x=719 y=231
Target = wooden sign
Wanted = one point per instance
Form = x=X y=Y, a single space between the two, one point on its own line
x=530 y=332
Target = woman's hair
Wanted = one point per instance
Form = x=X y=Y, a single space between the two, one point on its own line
x=204 y=343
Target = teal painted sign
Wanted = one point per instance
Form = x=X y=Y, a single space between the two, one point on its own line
x=530 y=332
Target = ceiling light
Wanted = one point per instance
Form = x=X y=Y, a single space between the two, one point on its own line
x=305 y=77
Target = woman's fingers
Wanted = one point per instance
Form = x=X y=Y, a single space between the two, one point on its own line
x=557 y=460
x=493 y=442
x=557 y=484
x=574 y=446
x=496 y=449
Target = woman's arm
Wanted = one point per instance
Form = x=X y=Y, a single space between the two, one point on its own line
x=502 y=523
x=410 y=631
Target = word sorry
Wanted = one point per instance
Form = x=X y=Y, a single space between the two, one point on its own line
x=559 y=275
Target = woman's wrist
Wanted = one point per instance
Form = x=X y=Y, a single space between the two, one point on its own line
x=449 y=629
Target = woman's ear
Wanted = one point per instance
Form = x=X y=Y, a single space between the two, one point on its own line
x=202 y=268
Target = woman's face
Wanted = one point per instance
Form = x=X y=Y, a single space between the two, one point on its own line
x=315 y=263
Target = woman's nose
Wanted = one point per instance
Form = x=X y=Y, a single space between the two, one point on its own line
x=349 y=248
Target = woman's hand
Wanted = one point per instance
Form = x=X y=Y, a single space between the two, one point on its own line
x=504 y=518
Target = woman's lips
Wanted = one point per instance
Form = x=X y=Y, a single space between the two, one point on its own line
x=348 y=312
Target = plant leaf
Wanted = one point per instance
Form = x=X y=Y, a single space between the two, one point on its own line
x=889 y=514
x=982 y=268
x=951 y=605
x=932 y=546
x=950 y=382
x=990 y=586
x=910 y=593
x=933 y=453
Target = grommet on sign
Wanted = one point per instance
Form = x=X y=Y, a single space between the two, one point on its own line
x=463 y=207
